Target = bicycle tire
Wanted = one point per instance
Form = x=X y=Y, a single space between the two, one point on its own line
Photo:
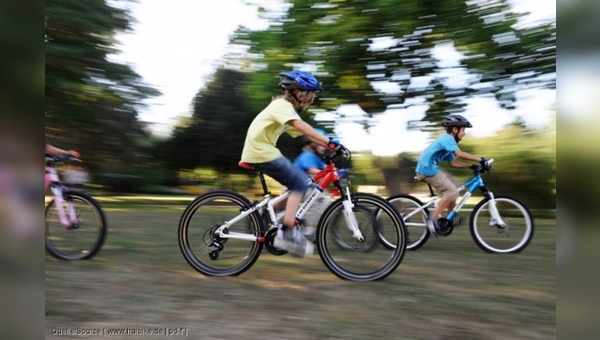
x=494 y=239
x=416 y=225
x=83 y=241
x=361 y=263
x=195 y=237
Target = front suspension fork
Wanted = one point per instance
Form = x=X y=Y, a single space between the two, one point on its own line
x=67 y=218
x=350 y=218
x=496 y=219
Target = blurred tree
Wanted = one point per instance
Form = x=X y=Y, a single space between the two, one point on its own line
x=371 y=52
x=379 y=54
x=92 y=102
x=215 y=133
x=214 y=136
x=384 y=54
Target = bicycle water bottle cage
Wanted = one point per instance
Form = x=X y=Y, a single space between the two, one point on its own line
x=263 y=183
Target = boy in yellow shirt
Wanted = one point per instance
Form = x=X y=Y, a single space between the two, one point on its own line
x=260 y=150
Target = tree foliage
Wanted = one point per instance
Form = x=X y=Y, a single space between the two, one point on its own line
x=371 y=52
x=91 y=102
x=214 y=135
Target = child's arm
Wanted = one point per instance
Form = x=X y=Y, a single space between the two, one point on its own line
x=466 y=156
x=310 y=133
x=58 y=151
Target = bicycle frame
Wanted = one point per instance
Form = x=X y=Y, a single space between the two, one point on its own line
x=471 y=185
x=322 y=180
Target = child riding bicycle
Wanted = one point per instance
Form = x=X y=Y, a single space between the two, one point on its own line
x=260 y=150
x=445 y=148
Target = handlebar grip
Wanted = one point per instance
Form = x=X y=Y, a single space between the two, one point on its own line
x=341 y=151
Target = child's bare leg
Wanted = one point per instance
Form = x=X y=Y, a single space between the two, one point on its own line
x=291 y=207
x=445 y=203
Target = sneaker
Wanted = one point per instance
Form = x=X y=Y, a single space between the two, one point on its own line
x=310 y=233
x=292 y=240
x=432 y=226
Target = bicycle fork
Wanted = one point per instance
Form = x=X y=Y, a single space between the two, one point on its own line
x=67 y=218
x=350 y=218
x=495 y=220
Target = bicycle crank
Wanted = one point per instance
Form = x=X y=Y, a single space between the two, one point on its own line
x=269 y=237
x=445 y=227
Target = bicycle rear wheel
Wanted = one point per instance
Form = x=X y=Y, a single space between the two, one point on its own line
x=350 y=259
x=205 y=251
x=82 y=241
x=415 y=221
x=492 y=238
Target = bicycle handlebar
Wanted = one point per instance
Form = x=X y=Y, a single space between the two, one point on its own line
x=342 y=151
x=483 y=169
x=52 y=159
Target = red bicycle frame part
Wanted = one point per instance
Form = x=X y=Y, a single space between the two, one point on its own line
x=326 y=176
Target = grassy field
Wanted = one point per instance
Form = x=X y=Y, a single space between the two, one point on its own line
x=449 y=289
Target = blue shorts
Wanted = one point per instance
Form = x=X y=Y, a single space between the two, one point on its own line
x=284 y=172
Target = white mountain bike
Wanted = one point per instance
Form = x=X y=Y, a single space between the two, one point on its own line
x=222 y=233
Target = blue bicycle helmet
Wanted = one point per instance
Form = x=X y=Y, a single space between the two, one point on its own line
x=299 y=80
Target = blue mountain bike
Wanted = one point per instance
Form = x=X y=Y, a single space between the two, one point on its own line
x=498 y=223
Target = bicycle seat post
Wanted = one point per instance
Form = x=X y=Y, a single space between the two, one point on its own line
x=266 y=191
x=263 y=183
x=431 y=193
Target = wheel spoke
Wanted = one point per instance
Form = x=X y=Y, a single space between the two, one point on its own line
x=198 y=237
x=512 y=238
x=371 y=259
x=82 y=242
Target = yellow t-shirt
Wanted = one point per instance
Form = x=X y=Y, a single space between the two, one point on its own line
x=265 y=130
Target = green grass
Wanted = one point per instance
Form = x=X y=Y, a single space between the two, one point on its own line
x=449 y=289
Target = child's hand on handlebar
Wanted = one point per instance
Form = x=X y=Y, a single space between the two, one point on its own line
x=333 y=144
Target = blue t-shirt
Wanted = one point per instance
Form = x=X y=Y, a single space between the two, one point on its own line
x=442 y=149
x=307 y=160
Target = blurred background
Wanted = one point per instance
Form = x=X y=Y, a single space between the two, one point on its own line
x=391 y=70
x=115 y=74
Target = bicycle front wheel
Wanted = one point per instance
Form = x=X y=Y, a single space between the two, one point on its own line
x=494 y=238
x=210 y=254
x=84 y=239
x=415 y=218
x=351 y=259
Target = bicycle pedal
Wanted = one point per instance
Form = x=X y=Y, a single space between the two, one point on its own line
x=431 y=228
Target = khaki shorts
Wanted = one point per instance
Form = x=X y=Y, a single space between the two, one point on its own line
x=442 y=183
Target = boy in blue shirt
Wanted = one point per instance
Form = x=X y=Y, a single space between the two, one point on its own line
x=445 y=148
x=310 y=160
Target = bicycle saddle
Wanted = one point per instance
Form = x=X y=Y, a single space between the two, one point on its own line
x=245 y=165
